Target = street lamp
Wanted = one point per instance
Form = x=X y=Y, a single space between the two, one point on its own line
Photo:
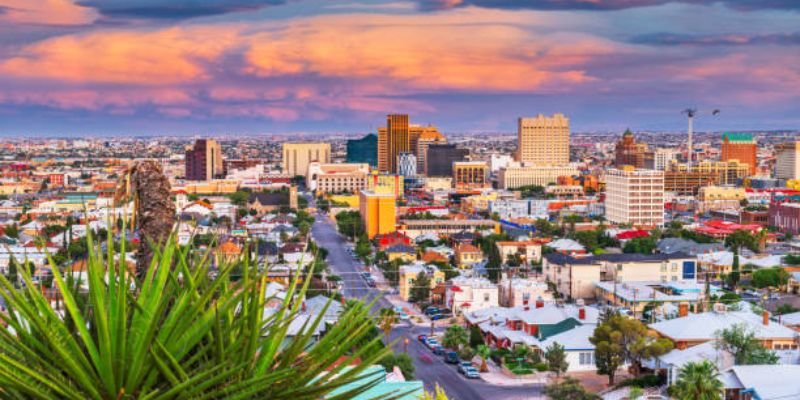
x=405 y=344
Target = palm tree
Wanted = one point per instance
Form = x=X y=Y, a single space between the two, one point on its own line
x=698 y=381
x=386 y=320
x=483 y=352
x=454 y=337
x=180 y=334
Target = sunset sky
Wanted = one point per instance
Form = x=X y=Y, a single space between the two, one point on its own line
x=124 y=67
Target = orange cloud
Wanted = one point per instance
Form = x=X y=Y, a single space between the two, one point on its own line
x=46 y=12
x=159 y=57
x=460 y=50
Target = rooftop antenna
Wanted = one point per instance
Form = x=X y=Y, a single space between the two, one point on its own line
x=690 y=114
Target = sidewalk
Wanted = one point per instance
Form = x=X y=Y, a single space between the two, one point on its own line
x=495 y=376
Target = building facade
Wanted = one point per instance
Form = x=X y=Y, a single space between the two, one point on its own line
x=629 y=152
x=635 y=196
x=337 y=178
x=378 y=212
x=543 y=140
x=204 y=161
x=470 y=175
x=297 y=156
x=740 y=147
x=787 y=164
x=518 y=174
x=663 y=158
x=364 y=150
x=426 y=137
x=407 y=165
x=440 y=159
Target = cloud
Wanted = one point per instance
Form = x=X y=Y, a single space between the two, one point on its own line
x=602 y=5
x=676 y=39
x=175 y=9
x=159 y=57
x=45 y=12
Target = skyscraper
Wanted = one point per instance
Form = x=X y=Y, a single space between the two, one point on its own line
x=740 y=146
x=428 y=135
x=407 y=165
x=297 y=156
x=787 y=164
x=635 y=196
x=398 y=136
x=204 y=160
x=364 y=150
x=543 y=140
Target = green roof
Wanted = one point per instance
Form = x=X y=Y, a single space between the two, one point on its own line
x=737 y=137
x=409 y=390
x=545 y=331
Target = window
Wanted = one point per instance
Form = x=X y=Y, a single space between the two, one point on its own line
x=663 y=267
x=486 y=297
x=619 y=267
x=586 y=358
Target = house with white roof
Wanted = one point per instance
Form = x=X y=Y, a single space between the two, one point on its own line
x=519 y=291
x=695 y=329
x=676 y=359
x=577 y=347
x=567 y=246
x=762 y=382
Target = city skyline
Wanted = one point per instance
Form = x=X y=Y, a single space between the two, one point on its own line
x=269 y=67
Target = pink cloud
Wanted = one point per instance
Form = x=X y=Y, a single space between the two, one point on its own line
x=46 y=12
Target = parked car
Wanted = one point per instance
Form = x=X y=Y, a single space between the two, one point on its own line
x=451 y=357
x=463 y=365
x=403 y=316
x=436 y=317
x=431 y=343
x=472 y=373
x=422 y=338
x=438 y=350
x=432 y=310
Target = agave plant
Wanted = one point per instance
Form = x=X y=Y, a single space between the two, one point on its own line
x=176 y=333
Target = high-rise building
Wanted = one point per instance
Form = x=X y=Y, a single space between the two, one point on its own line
x=635 y=196
x=378 y=212
x=470 y=175
x=398 y=136
x=543 y=140
x=364 y=150
x=427 y=137
x=407 y=165
x=297 y=156
x=440 y=159
x=204 y=161
x=726 y=172
x=787 y=165
x=629 y=152
x=740 y=147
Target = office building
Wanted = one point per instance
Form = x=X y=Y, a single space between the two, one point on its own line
x=440 y=159
x=684 y=183
x=662 y=159
x=386 y=184
x=378 y=212
x=787 y=165
x=393 y=140
x=543 y=140
x=635 y=196
x=427 y=136
x=204 y=161
x=517 y=175
x=740 y=147
x=407 y=165
x=629 y=152
x=337 y=178
x=364 y=150
x=725 y=172
x=297 y=156
x=470 y=175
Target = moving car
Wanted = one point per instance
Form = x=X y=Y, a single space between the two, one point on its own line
x=451 y=357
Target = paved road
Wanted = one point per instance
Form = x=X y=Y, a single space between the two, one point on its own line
x=432 y=372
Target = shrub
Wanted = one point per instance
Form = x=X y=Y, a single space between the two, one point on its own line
x=644 y=381
x=541 y=367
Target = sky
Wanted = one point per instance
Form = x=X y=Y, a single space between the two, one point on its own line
x=223 y=67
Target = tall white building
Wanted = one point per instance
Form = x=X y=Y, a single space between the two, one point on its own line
x=662 y=158
x=635 y=196
x=297 y=156
x=543 y=140
x=787 y=165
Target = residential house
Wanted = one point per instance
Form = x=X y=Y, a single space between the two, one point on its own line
x=761 y=382
x=530 y=251
x=519 y=291
x=408 y=274
x=468 y=294
x=467 y=255
x=401 y=252
x=567 y=246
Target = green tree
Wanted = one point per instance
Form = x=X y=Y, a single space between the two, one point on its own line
x=644 y=346
x=239 y=198
x=610 y=340
x=304 y=227
x=12 y=274
x=421 y=288
x=363 y=247
x=475 y=336
x=455 y=336
x=746 y=349
x=641 y=245
x=386 y=320
x=180 y=334
x=698 y=381
x=735 y=275
x=12 y=231
x=556 y=359
x=569 y=389
x=400 y=360
x=483 y=351
x=770 y=277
